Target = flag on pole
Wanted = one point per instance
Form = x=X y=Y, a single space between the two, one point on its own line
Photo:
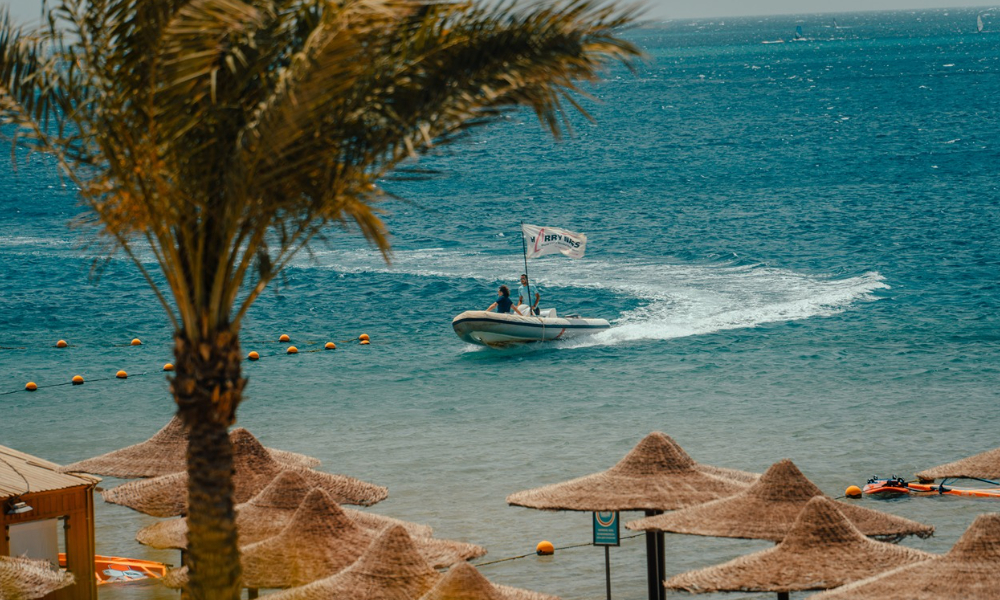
x=551 y=240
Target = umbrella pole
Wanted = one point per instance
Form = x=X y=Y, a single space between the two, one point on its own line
x=607 y=569
x=655 y=565
x=661 y=573
x=782 y=595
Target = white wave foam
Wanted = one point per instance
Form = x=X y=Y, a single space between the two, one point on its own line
x=18 y=241
x=676 y=300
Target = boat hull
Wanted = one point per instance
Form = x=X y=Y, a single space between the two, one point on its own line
x=498 y=330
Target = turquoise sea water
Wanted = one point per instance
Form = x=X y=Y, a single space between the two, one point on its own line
x=796 y=244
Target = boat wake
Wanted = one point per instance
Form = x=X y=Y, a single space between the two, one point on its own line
x=712 y=299
x=658 y=300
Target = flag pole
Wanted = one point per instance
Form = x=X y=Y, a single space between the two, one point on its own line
x=524 y=250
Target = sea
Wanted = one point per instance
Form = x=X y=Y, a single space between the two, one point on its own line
x=795 y=241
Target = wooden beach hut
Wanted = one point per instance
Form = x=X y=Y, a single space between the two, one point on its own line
x=46 y=513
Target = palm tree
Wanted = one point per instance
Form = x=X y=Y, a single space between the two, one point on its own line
x=224 y=136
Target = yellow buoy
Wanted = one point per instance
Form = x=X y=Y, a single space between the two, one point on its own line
x=284 y=338
x=168 y=367
x=253 y=356
x=364 y=337
x=545 y=548
x=61 y=344
x=31 y=386
x=330 y=346
x=121 y=375
x=364 y=342
x=77 y=380
x=136 y=342
x=292 y=350
x=853 y=492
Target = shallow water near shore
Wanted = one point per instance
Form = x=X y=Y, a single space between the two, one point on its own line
x=796 y=244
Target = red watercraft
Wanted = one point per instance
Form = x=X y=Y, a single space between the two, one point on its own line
x=894 y=487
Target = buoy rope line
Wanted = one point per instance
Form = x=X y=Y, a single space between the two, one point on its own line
x=76 y=380
x=70 y=382
x=286 y=352
x=129 y=344
x=509 y=558
x=306 y=343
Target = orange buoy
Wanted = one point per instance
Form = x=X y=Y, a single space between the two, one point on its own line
x=253 y=356
x=853 y=492
x=121 y=375
x=136 y=342
x=61 y=344
x=545 y=548
x=330 y=346
x=31 y=386
x=168 y=367
x=284 y=338
x=292 y=350
x=364 y=342
x=77 y=380
x=364 y=337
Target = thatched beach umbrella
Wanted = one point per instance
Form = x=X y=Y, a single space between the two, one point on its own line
x=822 y=550
x=970 y=571
x=321 y=540
x=166 y=496
x=266 y=514
x=985 y=465
x=390 y=569
x=28 y=578
x=768 y=509
x=464 y=582
x=654 y=476
x=163 y=454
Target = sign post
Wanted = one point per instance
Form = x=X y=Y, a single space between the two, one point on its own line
x=606 y=533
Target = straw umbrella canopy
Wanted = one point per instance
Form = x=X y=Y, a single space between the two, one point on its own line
x=822 y=550
x=166 y=496
x=266 y=514
x=390 y=569
x=768 y=509
x=162 y=454
x=968 y=571
x=985 y=465
x=654 y=476
x=322 y=540
x=464 y=582
x=26 y=578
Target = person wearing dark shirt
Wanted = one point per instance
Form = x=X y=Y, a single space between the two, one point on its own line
x=503 y=302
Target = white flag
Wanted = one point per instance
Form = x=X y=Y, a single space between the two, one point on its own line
x=540 y=241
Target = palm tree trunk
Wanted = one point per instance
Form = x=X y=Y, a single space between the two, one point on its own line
x=207 y=388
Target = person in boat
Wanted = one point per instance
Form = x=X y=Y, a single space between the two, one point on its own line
x=503 y=303
x=524 y=294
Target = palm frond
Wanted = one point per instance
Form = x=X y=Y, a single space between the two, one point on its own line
x=228 y=134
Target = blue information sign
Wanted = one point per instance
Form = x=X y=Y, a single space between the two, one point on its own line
x=606 y=529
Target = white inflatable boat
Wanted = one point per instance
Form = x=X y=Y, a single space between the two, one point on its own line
x=501 y=329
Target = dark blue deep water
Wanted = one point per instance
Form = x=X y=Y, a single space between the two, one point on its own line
x=796 y=244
